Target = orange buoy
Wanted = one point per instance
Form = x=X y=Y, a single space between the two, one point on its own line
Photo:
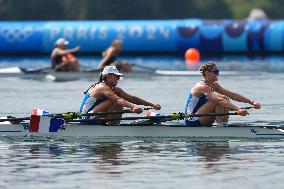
x=192 y=56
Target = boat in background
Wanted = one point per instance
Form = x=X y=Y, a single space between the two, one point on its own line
x=91 y=74
x=49 y=75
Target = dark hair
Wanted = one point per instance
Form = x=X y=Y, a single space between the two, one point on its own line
x=207 y=66
x=103 y=78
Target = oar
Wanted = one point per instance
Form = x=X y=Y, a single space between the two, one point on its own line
x=150 y=69
x=35 y=70
x=89 y=69
x=249 y=107
x=73 y=115
x=143 y=67
x=174 y=116
x=14 y=119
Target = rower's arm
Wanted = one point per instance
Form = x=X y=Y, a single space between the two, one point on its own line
x=106 y=56
x=135 y=99
x=107 y=92
x=67 y=51
x=232 y=95
x=207 y=91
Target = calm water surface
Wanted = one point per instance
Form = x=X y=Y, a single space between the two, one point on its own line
x=80 y=163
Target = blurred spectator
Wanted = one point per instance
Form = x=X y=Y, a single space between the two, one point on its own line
x=62 y=59
x=110 y=57
x=257 y=14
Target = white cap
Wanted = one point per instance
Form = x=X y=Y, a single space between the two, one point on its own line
x=111 y=70
x=257 y=14
x=61 y=41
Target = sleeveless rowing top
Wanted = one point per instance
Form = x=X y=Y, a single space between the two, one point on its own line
x=89 y=102
x=57 y=60
x=193 y=103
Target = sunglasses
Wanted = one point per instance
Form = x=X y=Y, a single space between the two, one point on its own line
x=216 y=72
x=117 y=76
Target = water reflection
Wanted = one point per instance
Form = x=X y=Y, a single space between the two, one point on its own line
x=51 y=149
x=209 y=151
x=113 y=153
x=107 y=153
x=114 y=158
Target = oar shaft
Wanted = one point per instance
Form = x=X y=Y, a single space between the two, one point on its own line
x=213 y=114
x=170 y=117
x=124 y=118
x=73 y=115
x=15 y=119
x=143 y=67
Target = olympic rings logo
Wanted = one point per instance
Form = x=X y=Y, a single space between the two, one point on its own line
x=19 y=34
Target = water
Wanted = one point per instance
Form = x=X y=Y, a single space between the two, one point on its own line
x=49 y=163
x=139 y=164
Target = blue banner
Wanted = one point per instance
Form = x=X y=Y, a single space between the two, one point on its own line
x=149 y=36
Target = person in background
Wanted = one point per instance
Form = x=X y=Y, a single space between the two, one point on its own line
x=208 y=96
x=62 y=59
x=257 y=14
x=110 y=57
x=105 y=96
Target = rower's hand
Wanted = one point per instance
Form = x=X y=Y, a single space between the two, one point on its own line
x=77 y=48
x=157 y=106
x=136 y=110
x=256 y=105
x=242 y=112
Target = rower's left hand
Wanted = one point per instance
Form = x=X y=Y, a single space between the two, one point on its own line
x=242 y=112
x=157 y=106
x=136 y=110
x=256 y=105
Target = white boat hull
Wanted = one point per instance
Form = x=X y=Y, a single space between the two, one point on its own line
x=164 y=131
x=38 y=74
x=69 y=76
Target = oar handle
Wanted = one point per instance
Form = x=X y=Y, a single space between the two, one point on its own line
x=248 y=107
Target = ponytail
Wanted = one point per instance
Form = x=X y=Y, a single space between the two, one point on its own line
x=102 y=79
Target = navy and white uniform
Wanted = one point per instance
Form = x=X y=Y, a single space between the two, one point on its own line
x=89 y=102
x=193 y=103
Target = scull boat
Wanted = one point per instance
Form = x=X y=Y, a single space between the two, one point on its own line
x=48 y=74
x=146 y=131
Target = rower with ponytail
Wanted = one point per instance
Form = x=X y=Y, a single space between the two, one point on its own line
x=105 y=96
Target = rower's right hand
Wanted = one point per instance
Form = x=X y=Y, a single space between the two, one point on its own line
x=256 y=105
x=242 y=112
x=157 y=106
x=77 y=48
x=136 y=110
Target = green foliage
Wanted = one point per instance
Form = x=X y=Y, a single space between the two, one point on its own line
x=129 y=9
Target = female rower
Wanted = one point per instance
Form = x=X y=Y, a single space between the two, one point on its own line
x=207 y=96
x=105 y=96
x=62 y=59
x=110 y=58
